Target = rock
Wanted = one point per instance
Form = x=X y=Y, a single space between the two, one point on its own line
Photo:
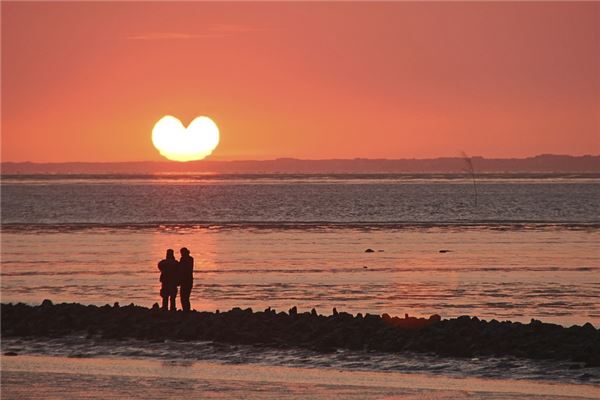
x=435 y=318
x=463 y=318
x=373 y=318
x=11 y=353
x=593 y=362
x=326 y=344
x=588 y=327
x=369 y=251
x=464 y=336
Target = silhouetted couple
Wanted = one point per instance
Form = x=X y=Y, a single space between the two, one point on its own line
x=174 y=274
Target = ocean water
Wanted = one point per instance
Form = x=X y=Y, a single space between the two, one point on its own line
x=514 y=247
x=278 y=201
x=520 y=246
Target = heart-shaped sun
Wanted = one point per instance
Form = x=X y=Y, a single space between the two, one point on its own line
x=178 y=143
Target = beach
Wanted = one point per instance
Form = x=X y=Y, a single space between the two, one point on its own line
x=58 y=377
x=526 y=253
x=300 y=200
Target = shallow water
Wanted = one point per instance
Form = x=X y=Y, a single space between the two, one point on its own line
x=526 y=249
x=547 y=274
x=344 y=360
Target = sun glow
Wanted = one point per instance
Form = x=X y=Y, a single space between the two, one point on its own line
x=178 y=143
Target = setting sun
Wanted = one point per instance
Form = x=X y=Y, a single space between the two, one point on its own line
x=404 y=186
x=178 y=143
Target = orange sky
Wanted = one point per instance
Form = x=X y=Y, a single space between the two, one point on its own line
x=87 y=81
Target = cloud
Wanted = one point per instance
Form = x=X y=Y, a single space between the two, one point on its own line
x=214 y=31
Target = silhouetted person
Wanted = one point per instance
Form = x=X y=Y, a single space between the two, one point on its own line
x=169 y=279
x=186 y=278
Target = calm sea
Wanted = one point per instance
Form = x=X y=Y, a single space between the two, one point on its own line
x=519 y=246
x=513 y=247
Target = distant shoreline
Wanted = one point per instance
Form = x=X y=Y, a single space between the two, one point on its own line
x=546 y=163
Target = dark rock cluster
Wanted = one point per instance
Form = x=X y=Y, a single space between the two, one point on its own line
x=459 y=337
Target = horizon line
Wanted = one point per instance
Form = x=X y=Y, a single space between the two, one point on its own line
x=303 y=159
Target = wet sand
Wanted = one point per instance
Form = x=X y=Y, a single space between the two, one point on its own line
x=36 y=377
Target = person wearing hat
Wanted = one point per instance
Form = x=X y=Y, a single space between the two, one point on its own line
x=186 y=278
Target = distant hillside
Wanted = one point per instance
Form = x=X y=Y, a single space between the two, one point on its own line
x=541 y=163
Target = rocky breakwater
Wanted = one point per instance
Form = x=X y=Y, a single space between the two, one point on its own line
x=459 y=337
